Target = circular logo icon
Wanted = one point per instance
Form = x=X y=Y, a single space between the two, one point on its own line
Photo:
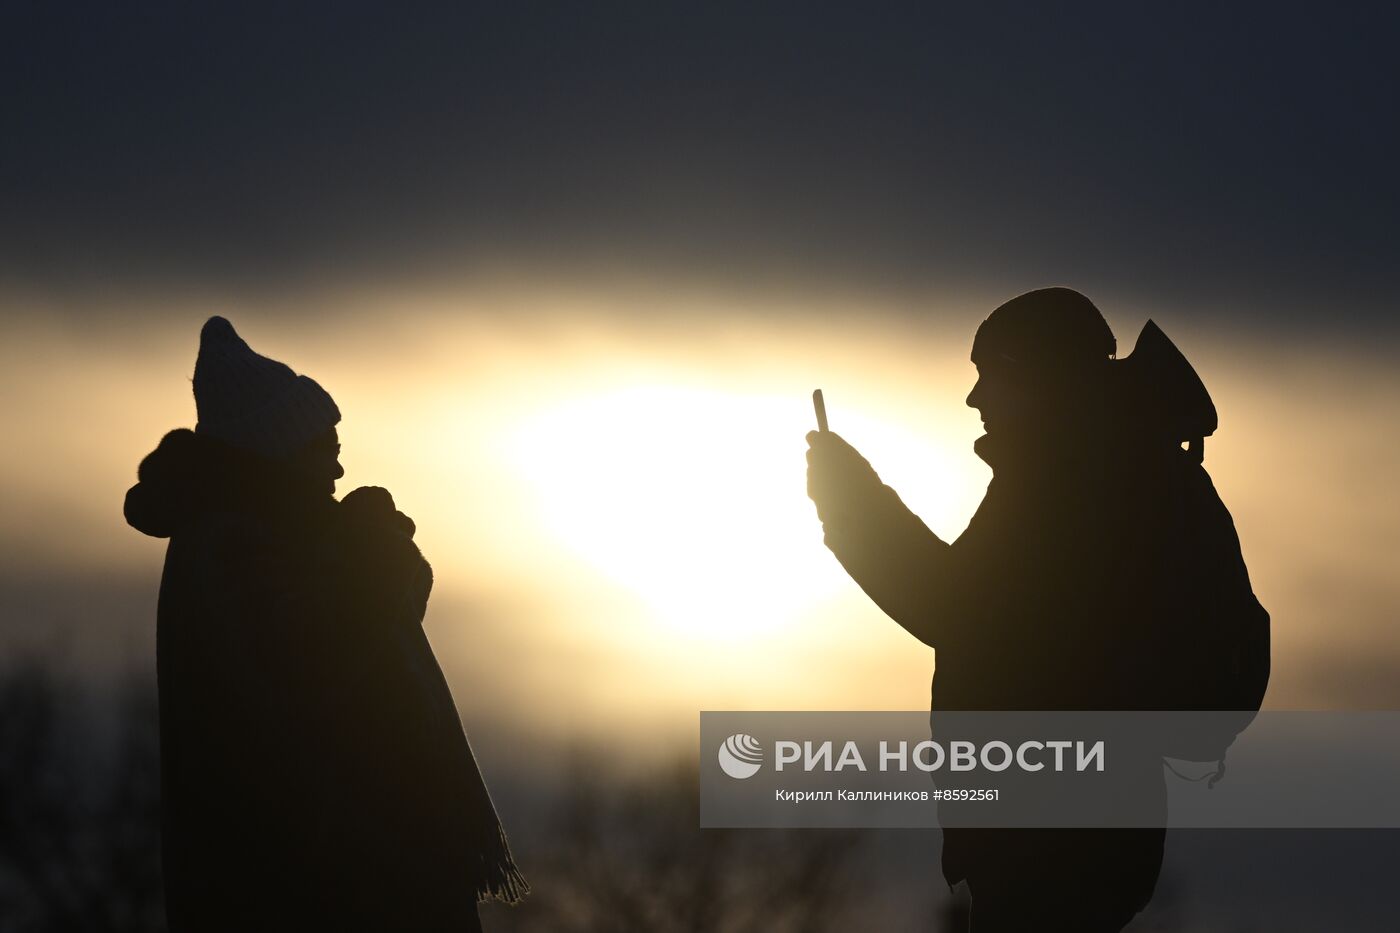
x=740 y=756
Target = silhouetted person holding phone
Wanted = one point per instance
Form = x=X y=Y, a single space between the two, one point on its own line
x=315 y=773
x=1100 y=572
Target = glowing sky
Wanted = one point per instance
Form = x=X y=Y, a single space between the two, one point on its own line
x=614 y=500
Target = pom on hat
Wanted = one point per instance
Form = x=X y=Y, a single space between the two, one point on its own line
x=252 y=402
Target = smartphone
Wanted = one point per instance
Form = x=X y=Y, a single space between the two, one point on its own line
x=819 y=405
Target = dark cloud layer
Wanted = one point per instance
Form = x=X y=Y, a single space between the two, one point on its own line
x=1212 y=156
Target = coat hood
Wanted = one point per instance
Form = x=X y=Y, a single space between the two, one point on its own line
x=188 y=475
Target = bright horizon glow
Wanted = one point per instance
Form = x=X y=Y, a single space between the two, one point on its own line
x=693 y=498
x=615 y=506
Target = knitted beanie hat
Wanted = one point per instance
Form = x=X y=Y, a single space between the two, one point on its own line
x=1048 y=327
x=252 y=402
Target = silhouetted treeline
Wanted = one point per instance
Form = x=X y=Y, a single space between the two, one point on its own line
x=614 y=851
x=79 y=805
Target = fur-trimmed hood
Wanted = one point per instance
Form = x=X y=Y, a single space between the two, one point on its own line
x=188 y=475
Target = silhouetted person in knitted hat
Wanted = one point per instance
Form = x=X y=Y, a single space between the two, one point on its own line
x=315 y=773
x=1101 y=572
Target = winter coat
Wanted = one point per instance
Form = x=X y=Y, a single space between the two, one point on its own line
x=1073 y=584
x=1068 y=590
x=315 y=773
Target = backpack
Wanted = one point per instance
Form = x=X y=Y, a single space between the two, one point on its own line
x=1213 y=635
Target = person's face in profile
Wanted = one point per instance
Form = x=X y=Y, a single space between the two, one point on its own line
x=1023 y=399
x=1003 y=397
x=320 y=460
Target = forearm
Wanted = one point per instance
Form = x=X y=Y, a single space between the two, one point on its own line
x=894 y=557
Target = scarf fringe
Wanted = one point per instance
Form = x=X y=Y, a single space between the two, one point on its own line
x=501 y=879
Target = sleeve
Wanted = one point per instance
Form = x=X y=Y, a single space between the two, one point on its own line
x=894 y=557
